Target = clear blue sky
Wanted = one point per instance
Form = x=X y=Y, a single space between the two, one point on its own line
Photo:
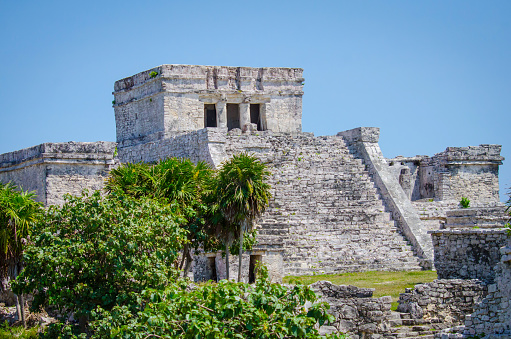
x=430 y=74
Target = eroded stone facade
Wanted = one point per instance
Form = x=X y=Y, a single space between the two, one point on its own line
x=55 y=169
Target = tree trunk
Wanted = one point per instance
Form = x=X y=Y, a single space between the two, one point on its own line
x=18 y=309
x=227 y=261
x=241 y=251
x=22 y=304
x=188 y=263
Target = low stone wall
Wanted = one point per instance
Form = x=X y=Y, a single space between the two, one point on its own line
x=448 y=300
x=493 y=315
x=477 y=217
x=468 y=254
x=355 y=311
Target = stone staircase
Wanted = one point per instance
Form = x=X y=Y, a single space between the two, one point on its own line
x=404 y=327
x=326 y=212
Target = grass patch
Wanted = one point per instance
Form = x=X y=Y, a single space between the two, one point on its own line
x=384 y=283
x=7 y=332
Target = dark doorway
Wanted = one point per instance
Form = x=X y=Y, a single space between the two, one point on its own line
x=252 y=273
x=212 y=268
x=209 y=115
x=233 y=116
x=255 y=116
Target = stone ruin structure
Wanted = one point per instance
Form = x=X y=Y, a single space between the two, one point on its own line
x=338 y=205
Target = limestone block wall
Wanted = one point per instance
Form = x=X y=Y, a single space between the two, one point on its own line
x=470 y=172
x=477 y=218
x=445 y=300
x=172 y=98
x=468 y=254
x=356 y=312
x=492 y=317
x=54 y=169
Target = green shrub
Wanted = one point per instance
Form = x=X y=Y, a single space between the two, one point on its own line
x=100 y=251
x=153 y=74
x=465 y=202
x=223 y=310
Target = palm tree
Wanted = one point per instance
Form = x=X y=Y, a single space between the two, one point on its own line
x=243 y=195
x=18 y=212
x=175 y=181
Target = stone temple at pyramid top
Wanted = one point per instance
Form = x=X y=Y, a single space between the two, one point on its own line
x=178 y=98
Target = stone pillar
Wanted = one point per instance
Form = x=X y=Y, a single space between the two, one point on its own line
x=244 y=114
x=221 y=113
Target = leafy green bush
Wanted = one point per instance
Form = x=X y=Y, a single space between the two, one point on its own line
x=223 y=310
x=465 y=202
x=100 y=251
x=153 y=74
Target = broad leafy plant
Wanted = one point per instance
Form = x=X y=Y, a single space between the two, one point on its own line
x=223 y=310
x=100 y=251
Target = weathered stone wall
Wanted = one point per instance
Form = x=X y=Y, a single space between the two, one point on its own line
x=470 y=172
x=477 y=217
x=468 y=254
x=443 y=300
x=492 y=317
x=174 y=99
x=53 y=169
x=355 y=311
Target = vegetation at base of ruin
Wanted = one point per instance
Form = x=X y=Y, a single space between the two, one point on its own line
x=7 y=332
x=100 y=251
x=18 y=213
x=241 y=194
x=384 y=282
x=153 y=74
x=223 y=310
x=465 y=202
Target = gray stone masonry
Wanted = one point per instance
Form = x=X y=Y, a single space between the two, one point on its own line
x=363 y=143
x=477 y=217
x=325 y=212
x=55 y=169
x=470 y=172
x=491 y=318
x=176 y=98
x=468 y=254
x=356 y=312
x=443 y=300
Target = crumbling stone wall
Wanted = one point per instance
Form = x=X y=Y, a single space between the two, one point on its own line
x=53 y=169
x=443 y=300
x=470 y=172
x=492 y=317
x=468 y=254
x=356 y=312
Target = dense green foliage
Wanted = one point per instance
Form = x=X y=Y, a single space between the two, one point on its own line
x=112 y=261
x=171 y=181
x=18 y=212
x=100 y=251
x=223 y=310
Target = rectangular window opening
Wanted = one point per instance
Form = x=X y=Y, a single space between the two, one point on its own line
x=209 y=115
x=252 y=272
x=233 y=116
x=255 y=116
